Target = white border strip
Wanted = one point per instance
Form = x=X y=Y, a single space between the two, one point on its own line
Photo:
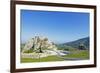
x=52 y=64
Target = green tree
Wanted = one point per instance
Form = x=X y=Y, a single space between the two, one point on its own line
x=81 y=47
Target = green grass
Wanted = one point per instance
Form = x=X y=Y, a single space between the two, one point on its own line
x=45 y=59
x=82 y=54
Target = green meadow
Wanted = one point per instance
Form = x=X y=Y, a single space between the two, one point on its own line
x=81 y=54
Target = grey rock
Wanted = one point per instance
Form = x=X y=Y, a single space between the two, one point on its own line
x=39 y=42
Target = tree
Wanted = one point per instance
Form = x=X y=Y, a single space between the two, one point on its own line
x=40 y=47
x=81 y=47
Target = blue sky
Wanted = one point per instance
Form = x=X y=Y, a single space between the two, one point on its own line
x=58 y=27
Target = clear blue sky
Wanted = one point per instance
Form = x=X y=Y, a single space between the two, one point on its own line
x=57 y=26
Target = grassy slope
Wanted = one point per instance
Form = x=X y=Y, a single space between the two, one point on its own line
x=45 y=59
x=83 y=54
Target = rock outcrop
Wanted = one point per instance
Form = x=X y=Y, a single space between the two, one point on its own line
x=39 y=43
x=41 y=47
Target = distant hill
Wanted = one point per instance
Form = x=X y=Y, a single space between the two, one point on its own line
x=76 y=44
